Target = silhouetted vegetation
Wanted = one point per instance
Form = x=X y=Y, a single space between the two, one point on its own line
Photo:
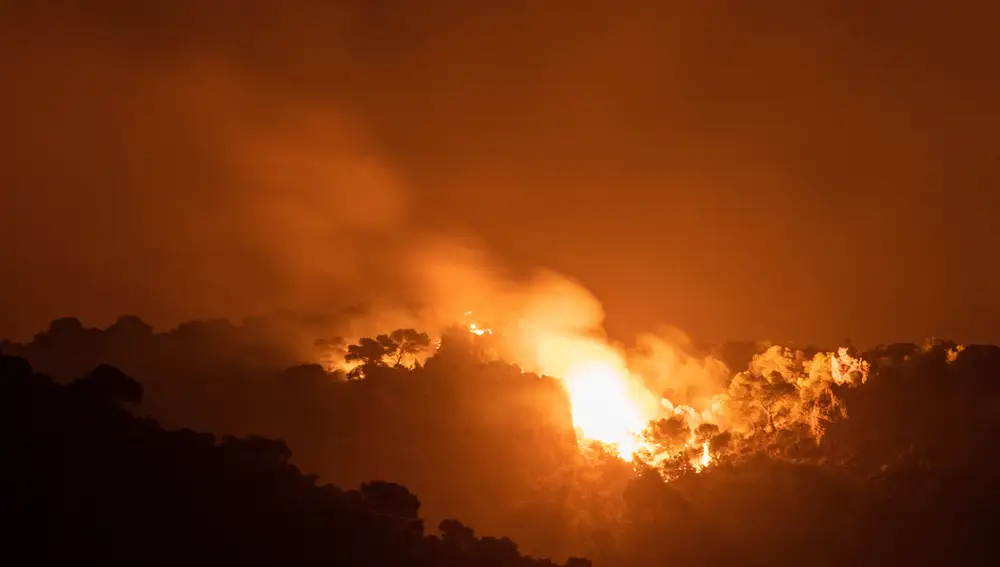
x=84 y=480
x=909 y=476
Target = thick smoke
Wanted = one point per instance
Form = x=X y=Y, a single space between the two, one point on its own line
x=672 y=368
x=205 y=189
x=691 y=162
x=200 y=192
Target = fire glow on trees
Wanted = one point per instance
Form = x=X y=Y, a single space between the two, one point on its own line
x=612 y=406
x=614 y=399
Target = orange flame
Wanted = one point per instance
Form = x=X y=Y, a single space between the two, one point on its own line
x=612 y=406
x=603 y=409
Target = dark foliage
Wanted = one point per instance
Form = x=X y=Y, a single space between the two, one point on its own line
x=909 y=477
x=86 y=481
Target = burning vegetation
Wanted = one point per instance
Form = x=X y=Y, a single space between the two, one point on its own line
x=783 y=398
x=543 y=430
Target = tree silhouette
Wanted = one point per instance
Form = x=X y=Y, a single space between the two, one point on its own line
x=762 y=400
x=456 y=533
x=776 y=397
x=84 y=481
x=909 y=477
x=407 y=342
x=131 y=326
x=385 y=350
x=370 y=353
x=107 y=384
x=66 y=327
x=391 y=499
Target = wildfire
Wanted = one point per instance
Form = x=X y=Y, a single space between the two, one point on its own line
x=844 y=367
x=704 y=460
x=603 y=409
x=612 y=406
x=475 y=329
x=604 y=398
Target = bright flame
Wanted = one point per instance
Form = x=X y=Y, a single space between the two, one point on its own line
x=613 y=406
x=706 y=458
x=603 y=409
x=476 y=329
x=844 y=367
x=608 y=405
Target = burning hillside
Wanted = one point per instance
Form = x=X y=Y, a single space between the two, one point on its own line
x=783 y=393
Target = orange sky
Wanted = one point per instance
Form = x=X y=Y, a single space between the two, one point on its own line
x=787 y=170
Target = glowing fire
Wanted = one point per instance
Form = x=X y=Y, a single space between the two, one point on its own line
x=613 y=406
x=603 y=396
x=603 y=409
x=475 y=329
x=608 y=403
x=704 y=460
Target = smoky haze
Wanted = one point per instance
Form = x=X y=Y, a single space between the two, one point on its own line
x=803 y=171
